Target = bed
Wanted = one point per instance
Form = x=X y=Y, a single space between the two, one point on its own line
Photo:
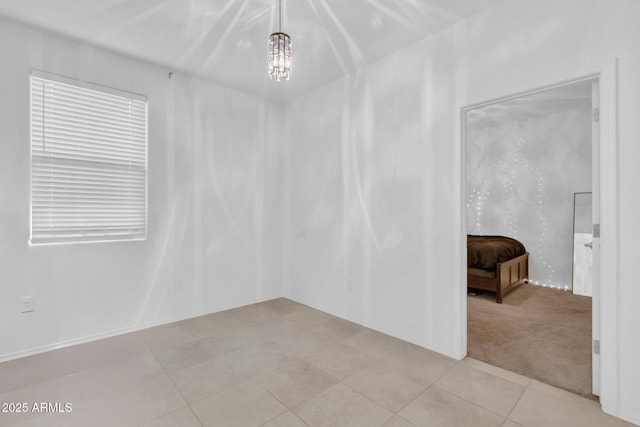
x=496 y=263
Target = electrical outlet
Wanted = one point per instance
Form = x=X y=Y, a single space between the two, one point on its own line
x=179 y=284
x=28 y=304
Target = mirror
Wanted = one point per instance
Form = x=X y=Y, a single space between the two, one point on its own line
x=582 y=244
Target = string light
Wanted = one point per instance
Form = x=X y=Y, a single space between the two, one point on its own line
x=510 y=166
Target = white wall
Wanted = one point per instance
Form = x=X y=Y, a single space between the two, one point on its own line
x=521 y=175
x=375 y=178
x=374 y=213
x=213 y=205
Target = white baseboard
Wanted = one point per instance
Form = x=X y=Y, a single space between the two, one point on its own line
x=121 y=331
x=396 y=334
x=633 y=418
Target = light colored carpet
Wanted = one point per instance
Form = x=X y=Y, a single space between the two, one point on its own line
x=539 y=332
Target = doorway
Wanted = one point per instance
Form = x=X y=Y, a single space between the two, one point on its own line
x=526 y=157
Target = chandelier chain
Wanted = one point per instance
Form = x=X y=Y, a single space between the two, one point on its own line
x=279 y=52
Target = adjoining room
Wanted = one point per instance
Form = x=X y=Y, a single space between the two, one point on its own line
x=529 y=178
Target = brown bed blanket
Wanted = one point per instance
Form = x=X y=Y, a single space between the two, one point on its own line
x=486 y=251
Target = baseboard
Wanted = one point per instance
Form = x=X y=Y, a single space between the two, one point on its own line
x=628 y=416
x=419 y=342
x=121 y=331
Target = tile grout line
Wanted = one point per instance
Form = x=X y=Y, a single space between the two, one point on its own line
x=169 y=413
x=516 y=404
x=524 y=389
x=279 y=415
x=373 y=401
x=188 y=405
x=428 y=387
x=472 y=403
x=306 y=400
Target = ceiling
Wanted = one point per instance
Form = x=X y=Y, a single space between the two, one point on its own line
x=225 y=41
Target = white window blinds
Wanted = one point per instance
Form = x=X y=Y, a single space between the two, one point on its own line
x=88 y=162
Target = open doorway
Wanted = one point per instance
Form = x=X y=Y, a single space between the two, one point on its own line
x=528 y=159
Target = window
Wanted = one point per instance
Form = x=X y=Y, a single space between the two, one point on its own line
x=88 y=162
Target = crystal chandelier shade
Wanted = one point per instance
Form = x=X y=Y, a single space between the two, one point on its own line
x=279 y=52
x=279 y=56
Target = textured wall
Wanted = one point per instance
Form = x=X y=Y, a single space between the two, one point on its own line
x=521 y=176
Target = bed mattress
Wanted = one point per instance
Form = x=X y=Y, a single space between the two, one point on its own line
x=484 y=252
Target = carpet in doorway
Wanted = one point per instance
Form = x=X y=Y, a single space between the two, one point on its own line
x=540 y=332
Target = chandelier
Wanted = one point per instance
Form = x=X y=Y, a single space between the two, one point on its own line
x=279 y=51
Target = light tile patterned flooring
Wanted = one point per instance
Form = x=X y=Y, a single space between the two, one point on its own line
x=278 y=364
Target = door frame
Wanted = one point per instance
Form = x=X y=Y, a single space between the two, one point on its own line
x=606 y=307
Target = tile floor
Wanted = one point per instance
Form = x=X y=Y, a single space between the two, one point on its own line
x=273 y=364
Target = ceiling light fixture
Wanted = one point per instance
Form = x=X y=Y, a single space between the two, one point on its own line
x=279 y=52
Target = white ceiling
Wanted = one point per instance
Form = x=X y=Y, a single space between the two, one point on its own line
x=225 y=41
